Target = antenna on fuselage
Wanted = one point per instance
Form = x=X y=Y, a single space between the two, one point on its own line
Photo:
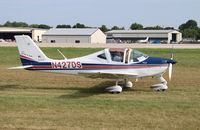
x=61 y=54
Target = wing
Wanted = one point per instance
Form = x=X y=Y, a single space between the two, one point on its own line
x=110 y=74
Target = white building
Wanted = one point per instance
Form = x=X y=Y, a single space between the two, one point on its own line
x=8 y=33
x=131 y=36
x=74 y=35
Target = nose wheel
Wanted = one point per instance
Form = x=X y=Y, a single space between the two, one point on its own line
x=162 y=86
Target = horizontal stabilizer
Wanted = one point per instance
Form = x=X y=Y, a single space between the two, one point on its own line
x=21 y=67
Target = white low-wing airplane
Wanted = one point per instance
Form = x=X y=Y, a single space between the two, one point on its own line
x=143 y=41
x=121 y=63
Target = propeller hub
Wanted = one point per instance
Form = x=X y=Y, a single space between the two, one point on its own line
x=171 y=61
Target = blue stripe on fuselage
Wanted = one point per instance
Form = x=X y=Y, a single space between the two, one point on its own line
x=30 y=62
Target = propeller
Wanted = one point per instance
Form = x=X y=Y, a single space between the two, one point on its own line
x=170 y=64
x=170 y=71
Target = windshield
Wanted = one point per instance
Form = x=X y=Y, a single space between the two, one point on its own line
x=137 y=56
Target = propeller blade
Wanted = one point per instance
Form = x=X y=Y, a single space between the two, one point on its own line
x=170 y=65
x=172 y=53
x=170 y=71
x=172 y=56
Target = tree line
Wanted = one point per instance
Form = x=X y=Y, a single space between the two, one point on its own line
x=23 y=24
x=189 y=29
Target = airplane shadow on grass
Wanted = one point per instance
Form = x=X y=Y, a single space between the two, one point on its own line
x=87 y=92
x=80 y=92
x=4 y=87
x=95 y=90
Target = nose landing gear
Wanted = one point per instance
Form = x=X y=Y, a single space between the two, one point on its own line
x=162 y=86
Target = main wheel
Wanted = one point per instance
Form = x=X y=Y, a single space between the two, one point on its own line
x=128 y=84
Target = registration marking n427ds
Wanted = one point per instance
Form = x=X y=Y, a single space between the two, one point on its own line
x=66 y=65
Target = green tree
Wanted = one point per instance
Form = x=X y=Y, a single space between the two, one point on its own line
x=136 y=26
x=7 y=24
x=148 y=28
x=169 y=28
x=190 y=33
x=192 y=24
x=157 y=27
x=63 y=26
x=198 y=36
x=15 y=24
x=190 y=29
x=34 y=25
x=44 y=26
x=103 y=28
x=117 y=28
x=79 y=25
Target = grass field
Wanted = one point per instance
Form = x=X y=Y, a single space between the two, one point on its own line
x=37 y=100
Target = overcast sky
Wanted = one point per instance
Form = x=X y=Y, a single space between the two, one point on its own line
x=98 y=12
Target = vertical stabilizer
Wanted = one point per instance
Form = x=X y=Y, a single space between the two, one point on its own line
x=29 y=51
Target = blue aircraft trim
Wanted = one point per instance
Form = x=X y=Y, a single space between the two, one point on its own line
x=30 y=62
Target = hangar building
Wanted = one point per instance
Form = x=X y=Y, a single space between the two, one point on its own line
x=8 y=33
x=74 y=35
x=132 y=36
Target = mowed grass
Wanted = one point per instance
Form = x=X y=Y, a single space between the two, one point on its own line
x=38 y=100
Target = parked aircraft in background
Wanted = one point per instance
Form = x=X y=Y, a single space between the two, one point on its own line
x=144 y=41
x=121 y=63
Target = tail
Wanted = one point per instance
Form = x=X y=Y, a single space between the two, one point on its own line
x=29 y=52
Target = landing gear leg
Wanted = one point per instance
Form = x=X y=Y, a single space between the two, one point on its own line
x=114 y=89
x=162 y=86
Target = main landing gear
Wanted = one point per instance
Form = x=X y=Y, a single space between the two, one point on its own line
x=117 y=88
